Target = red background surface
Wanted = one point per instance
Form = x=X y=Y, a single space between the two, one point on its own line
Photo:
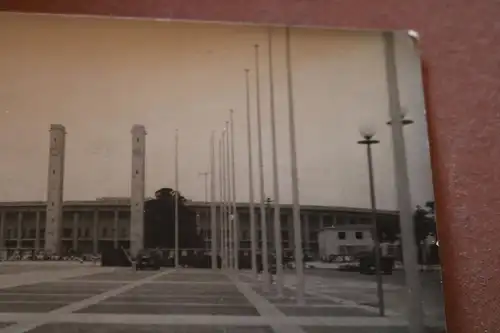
x=461 y=52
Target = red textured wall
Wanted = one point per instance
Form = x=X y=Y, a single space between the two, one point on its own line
x=462 y=73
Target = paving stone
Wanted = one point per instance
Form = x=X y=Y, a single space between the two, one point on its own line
x=62 y=288
x=312 y=301
x=116 y=328
x=71 y=284
x=16 y=269
x=171 y=295
x=273 y=294
x=325 y=312
x=174 y=299
x=373 y=329
x=190 y=286
x=116 y=276
x=193 y=278
x=171 y=309
x=172 y=290
x=30 y=307
x=43 y=297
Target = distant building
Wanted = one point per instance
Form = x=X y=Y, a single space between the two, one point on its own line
x=344 y=240
x=90 y=226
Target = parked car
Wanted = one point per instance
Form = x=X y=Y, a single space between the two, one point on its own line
x=367 y=263
x=148 y=259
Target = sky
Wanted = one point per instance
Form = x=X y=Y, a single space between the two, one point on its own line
x=99 y=77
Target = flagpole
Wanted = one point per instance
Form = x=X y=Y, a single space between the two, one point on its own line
x=276 y=192
x=224 y=200
x=221 y=206
x=229 y=206
x=299 y=253
x=236 y=226
x=176 y=198
x=213 y=212
x=263 y=223
x=251 y=207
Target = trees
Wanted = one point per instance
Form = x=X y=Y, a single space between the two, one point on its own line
x=159 y=222
x=424 y=222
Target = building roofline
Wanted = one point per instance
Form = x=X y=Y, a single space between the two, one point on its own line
x=126 y=202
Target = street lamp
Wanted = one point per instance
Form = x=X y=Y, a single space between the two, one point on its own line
x=404 y=121
x=368 y=141
x=414 y=300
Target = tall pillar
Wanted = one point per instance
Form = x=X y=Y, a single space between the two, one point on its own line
x=95 y=232
x=2 y=228
x=76 y=218
x=37 y=231
x=321 y=221
x=19 y=229
x=137 y=189
x=53 y=224
x=306 y=231
x=115 y=230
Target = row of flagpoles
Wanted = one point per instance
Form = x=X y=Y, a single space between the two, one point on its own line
x=226 y=243
x=228 y=218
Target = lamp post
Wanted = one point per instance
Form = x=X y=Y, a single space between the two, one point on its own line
x=404 y=121
x=415 y=311
x=368 y=141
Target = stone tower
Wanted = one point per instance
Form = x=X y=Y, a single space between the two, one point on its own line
x=55 y=186
x=137 y=189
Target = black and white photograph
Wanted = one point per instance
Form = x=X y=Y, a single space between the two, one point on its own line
x=169 y=176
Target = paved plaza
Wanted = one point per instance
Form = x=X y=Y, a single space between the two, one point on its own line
x=85 y=298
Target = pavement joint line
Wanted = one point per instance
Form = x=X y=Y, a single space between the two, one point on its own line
x=332 y=306
x=22 y=327
x=191 y=282
x=338 y=300
x=247 y=304
x=42 y=276
x=58 y=293
x=71 y=281
x=177 y=296
x=152 y=282
x=201 y=320
x=352 y=304
x=34 y=302
x=265 y=308
x=346 y=302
